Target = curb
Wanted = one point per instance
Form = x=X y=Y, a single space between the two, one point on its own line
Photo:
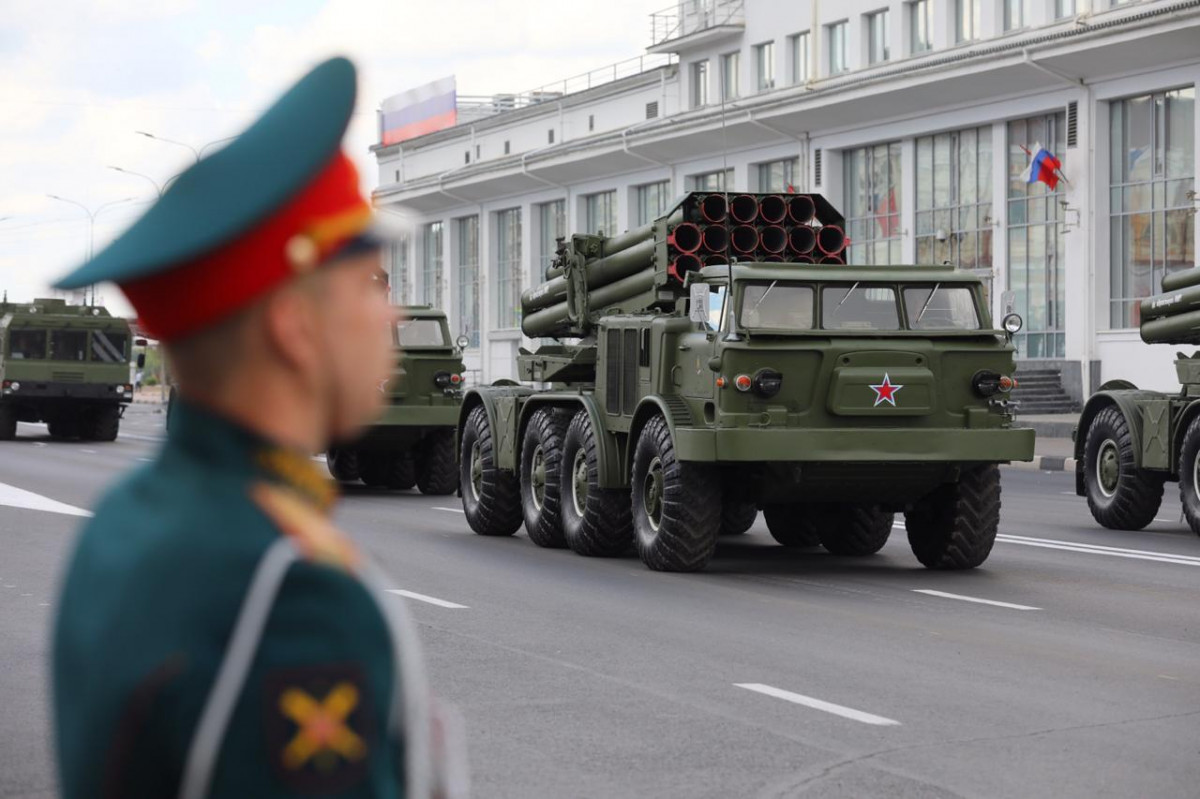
x=1046 y=463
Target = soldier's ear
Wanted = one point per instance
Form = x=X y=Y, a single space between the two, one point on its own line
x=292 y=328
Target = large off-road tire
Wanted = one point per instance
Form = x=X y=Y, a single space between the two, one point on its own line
x=853 y=530
x=954 y=527
x=595 y=520
x=541 y=477
x=343 y=464
x=374 y=469
x=437 y=472
x=790 y=525
x=1119 y=495
x=63 y=427
x=103 y=424
x=1189 y=475
x=676 y=504
x=737 y=516
x=491 y=497
x=401 y=471
x=8 y=423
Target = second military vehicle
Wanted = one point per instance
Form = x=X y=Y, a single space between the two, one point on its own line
x=1129 y=442
x=708 y=368
x=413 y=442
x=65 y=365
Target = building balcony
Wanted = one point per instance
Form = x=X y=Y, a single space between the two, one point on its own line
x=694 y=23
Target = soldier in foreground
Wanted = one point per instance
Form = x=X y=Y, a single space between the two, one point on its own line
x=217 y=635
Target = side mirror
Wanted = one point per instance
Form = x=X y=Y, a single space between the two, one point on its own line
x=141 y=360
x=1012 y=324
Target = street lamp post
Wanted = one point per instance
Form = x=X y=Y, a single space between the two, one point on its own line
x=153 y=182
x=91 y=224
x=196 y=154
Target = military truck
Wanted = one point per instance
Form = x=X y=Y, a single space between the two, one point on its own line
x=724 y=360
x=1129 y=443
x=65 y=365
x=413 y=442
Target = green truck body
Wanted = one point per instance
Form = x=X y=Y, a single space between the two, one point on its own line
x=688 y=394
x=65 y=365
x=1130 y=442
x=412 y=443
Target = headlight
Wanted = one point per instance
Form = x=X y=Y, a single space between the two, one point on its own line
x=442 y=379
x=1013 y=324
x=988 y=383
x=15 y=385
x=767 y=382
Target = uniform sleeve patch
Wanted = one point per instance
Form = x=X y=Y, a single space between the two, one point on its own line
x=313 y=533
x=319 y=726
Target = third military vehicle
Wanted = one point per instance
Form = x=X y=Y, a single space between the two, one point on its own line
x=65 y=365
x=413 y=442
x=1129 y=442
x=706 y=368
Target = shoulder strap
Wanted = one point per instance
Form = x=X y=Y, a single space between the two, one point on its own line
x=231 y=676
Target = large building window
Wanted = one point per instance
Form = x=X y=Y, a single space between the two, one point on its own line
x=700 y=84
x=399 y=273
x=954 y=199
x=1152 y=204
x=508 y=268
x=600 y=213
x=1036 y=247
x=552 y=224
x=466 y=245
x=920 y=26
x=874 y=192
x=839 y=59
x=968 y=18
x=877 y=37
x=711 y=181
x=799 y=55
x=1064 y=8
x=431 y=264
x=1016 y=14
x=730 y=75
x=777 y=175
x=651 y=201
x=764 y=66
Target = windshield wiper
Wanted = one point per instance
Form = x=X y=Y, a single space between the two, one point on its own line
x=848 y=293
x=928 y=300
x=764 y=296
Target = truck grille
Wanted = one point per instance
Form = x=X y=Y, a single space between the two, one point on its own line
x=67 y=377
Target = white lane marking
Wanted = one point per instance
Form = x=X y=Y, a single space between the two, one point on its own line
x=15 y=497
x=1068 y=493
x=819 y=704
x=88 y=451
x=1168 y=521
x=155 y=439
x=145 y=460
x=432 y=600
x=1096 y=549
x=451 y=510
x=944 y=595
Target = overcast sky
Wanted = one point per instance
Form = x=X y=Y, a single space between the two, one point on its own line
x=81 y=76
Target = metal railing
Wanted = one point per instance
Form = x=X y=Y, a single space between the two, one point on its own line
x=475 y=107
x=692 y=16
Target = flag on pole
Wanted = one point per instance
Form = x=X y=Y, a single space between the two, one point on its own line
x=422 y=110
x=1043 y=167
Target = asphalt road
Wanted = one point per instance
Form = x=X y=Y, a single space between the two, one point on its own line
x=774 y=673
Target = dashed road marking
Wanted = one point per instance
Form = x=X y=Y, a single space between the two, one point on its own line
x=819 y=704
x=978 y=600
x=88 y=451
x=20 y=498
x=1096 y=549
x=448 y=510
x=432 y=600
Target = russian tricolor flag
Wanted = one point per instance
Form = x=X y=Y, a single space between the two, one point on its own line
x=418 y=111
x=1043 y=166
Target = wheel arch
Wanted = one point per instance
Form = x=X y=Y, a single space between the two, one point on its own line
x=649 y=407
x=1122 y=395
x=489 y=397
x=1190 y=412
x=611 y=475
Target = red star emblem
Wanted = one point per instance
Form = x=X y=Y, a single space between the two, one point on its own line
x=886 y=391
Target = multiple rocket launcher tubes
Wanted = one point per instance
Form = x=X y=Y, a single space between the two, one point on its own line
x=763 y=228
x=1174 y=316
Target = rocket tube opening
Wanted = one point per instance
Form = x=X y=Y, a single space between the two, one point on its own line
x=685 y=237
x=802 y=239
x=714 y=259
x=803 y=259
x=831 y=259
x=715 y=238
x=772 y=259
x=772 y=209
x=743 y=208
x=773 y=239
x=801 y=209
x=744 y=239
x=831 y=239
x=713 y=207
x=683 y=264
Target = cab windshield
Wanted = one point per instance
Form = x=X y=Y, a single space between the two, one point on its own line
x=859 y=307
x=940 y=307
x=27 y=345
x=776 y=306
x=421 y=333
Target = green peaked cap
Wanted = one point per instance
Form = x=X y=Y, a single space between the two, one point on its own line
x=230 y=191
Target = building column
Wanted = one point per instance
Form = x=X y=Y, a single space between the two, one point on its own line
x=908 y=200
x=1081 y=272
x=1000 y=282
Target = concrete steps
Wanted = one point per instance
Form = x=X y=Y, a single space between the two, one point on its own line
x=1040 y=391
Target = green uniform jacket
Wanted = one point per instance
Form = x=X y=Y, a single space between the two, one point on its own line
x=153 y=594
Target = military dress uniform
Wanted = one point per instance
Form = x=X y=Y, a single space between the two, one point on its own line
x=217 y=635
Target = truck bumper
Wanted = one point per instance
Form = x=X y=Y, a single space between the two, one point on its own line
x=419 y=416
x=854 y=445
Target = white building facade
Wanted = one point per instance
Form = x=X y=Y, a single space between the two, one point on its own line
x=911 y=117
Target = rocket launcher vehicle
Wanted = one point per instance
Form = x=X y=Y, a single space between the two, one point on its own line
x=647 y=267
x=1173 y=317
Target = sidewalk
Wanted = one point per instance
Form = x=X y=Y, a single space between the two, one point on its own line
x=151 y=395
x=1053 y=450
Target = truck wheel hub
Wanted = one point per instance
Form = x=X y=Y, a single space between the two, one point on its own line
x=579 y=482
x=652 y=494
x=1108 y=468
x=537 y=477
x=476 y=471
